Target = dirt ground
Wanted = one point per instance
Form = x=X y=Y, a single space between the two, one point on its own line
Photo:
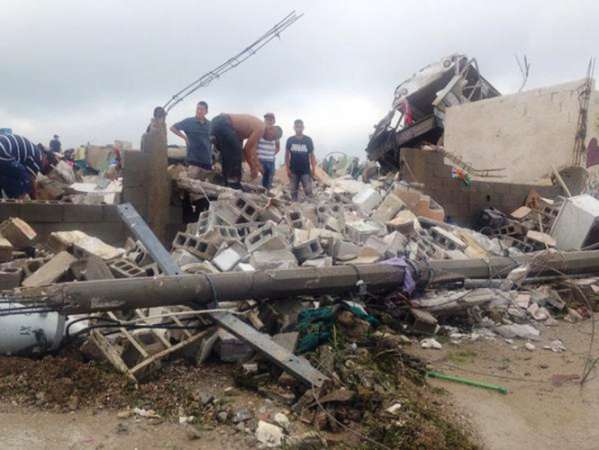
x=545 y=408
x=29 y=429
x=537 y=413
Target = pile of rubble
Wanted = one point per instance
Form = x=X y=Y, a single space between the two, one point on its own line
x=457 y=284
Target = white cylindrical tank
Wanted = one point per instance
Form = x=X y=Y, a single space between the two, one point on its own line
x=30 y=334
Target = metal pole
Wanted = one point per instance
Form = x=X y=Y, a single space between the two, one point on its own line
x=131 y=293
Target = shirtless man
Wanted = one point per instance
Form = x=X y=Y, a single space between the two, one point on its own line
x=229 y=131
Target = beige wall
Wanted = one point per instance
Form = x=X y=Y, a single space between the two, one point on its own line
x=524 y=133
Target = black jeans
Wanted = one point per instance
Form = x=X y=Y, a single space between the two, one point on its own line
x=231 y=150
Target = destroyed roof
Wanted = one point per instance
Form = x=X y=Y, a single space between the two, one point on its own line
x=453 y=80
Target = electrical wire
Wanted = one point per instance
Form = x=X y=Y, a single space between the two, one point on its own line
x=234 y=61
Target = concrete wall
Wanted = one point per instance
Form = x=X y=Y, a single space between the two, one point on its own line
x=101 y=221
x=523 y=133
x=462 y=204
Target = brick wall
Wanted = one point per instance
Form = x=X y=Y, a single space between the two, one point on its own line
x=462 y=203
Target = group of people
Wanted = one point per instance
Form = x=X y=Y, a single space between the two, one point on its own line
x=228 y=132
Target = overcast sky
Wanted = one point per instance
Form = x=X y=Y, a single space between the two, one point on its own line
x=92 y=71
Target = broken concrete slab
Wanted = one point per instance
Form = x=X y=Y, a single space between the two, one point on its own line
x=50 y=272
x=18 y=233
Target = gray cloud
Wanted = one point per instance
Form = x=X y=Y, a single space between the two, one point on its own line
x=92 y=71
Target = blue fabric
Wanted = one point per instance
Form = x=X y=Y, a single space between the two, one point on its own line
x=15 y=179
x=199 y=150
x=408 y=281
x=268 y=172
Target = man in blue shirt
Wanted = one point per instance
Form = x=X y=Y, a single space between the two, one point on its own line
x=195 y=131
x=300 y=161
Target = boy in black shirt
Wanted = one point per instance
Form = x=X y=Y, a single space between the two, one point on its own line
x=300 y=160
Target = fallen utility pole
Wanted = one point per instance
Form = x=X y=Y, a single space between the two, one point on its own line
x=545 y=263
x=130 y=293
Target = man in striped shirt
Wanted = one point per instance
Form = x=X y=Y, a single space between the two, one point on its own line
x=20 y=162
x=268 y=149
x=267 y=152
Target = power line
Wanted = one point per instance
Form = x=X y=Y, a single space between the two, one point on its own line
x=234 y=61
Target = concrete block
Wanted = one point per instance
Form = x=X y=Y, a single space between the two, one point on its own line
x=318 y=263
x=379 y=245
x=387 y=210
x=287 y=340
x=91 y=245
x=122 y=268
x=422 y=322
x=10 y=278
x=295 y=219
x=248 y=210
x=182 y=257
x=446 y=239
x=405 y=222
x=231 y=348
x=344 y=251
x=308 y=250
x=199 y=267
x=396 y=243
x=265 y=238
x=358 y=232
x=272 y=213
x=366 y=200
x=50 y=272
x=542 y=240
x=152 y=270
x=18 y=233
x=228 y=258
x=195 y=245
x=91 y=268
x=273 y=259
x=6 y=249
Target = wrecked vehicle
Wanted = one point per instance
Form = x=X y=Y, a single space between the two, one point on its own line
x=419 y=104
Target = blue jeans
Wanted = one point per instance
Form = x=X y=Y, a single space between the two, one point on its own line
x=268 y=172
x=15 y=179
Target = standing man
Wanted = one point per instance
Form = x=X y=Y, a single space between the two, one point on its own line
x=20 y=162
x=300 y=161
x=267 y=152
x=195 y=131
x=55 y=145
x=229 y=131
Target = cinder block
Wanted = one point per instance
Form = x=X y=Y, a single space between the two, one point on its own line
x=122 y=268
x=50 y=272
x=273 y=259
x=228 y=258
x=367 y=200
x=6 y=249
x=446 y=239
x=358 y=232
x=195 y=245
x=18 y=233
x=388 y=209
x=308 y=250
x=265 y=238
x=295 y=219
